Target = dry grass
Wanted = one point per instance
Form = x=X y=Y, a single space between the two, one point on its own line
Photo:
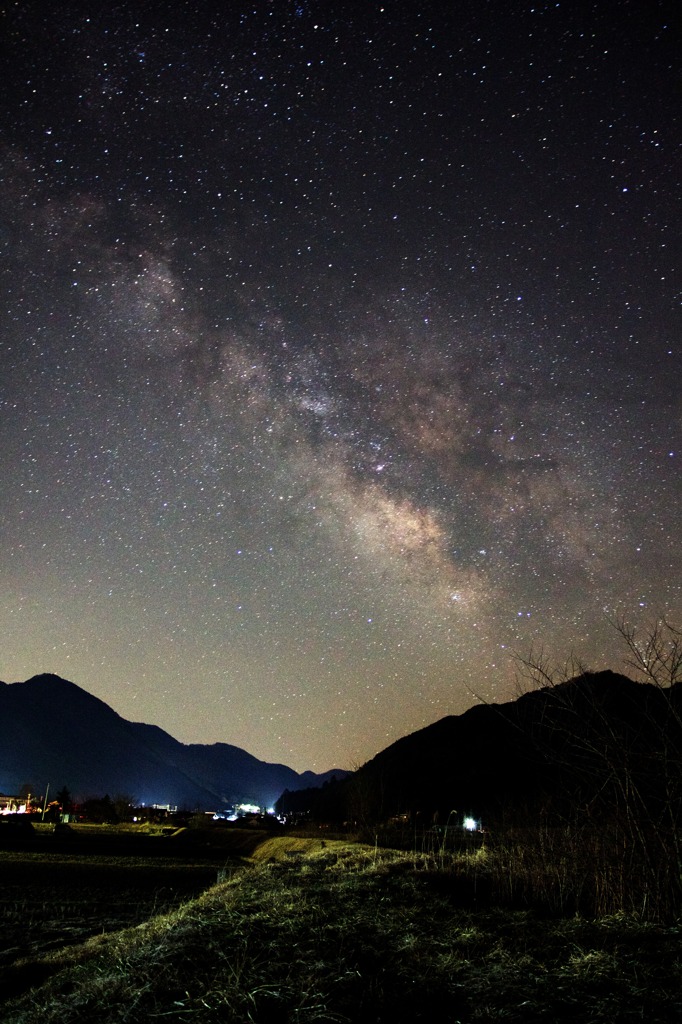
x=327 y=930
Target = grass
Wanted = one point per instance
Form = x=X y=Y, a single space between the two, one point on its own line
x=50 y=897
x=330 y=930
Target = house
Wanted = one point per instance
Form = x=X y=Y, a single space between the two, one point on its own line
x=14 y=804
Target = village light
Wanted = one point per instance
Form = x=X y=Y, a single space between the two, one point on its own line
x=470 y=824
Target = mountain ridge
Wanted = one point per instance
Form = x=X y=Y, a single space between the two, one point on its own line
x=58 y=733
x=583 y=741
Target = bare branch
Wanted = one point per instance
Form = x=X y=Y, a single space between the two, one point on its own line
x=537 y=669
x=655 y=654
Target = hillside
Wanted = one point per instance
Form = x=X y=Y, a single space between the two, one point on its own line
x=579 y=743
x=55 y=732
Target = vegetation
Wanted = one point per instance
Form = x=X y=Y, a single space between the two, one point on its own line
x=618 y=753
x=330 y=930
x=583 y=770
x=52 y=899
x=566 y=907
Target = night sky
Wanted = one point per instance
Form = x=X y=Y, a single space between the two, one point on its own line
x=339 y=355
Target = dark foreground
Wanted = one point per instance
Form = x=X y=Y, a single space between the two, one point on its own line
x=332 y=931
x=62 y=887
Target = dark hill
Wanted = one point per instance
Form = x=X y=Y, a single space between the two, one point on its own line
x=582 y=742
x=55 y=732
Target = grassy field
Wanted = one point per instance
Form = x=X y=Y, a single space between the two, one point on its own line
x=330 y=930
x=60 y=890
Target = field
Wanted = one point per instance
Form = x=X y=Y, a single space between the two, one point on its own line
x=61 y=890
x=320 y=929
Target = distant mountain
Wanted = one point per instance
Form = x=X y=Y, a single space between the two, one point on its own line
x=588 y=742
x=55 y=732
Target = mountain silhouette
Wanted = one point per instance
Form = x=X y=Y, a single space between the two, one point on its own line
x=55 y=732
x=595 y=742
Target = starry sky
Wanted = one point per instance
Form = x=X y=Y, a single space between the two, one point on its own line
x=339 y=355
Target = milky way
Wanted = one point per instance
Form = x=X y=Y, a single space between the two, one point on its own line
x=339 y=361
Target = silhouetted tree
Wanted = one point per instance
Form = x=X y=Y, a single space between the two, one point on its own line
x=123 y=805
x=100 y=810
x=64 y=800
x=618 y=748
x=655 y=653
x=319 y=803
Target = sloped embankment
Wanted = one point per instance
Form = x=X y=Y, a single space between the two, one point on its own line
x=323 y=930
